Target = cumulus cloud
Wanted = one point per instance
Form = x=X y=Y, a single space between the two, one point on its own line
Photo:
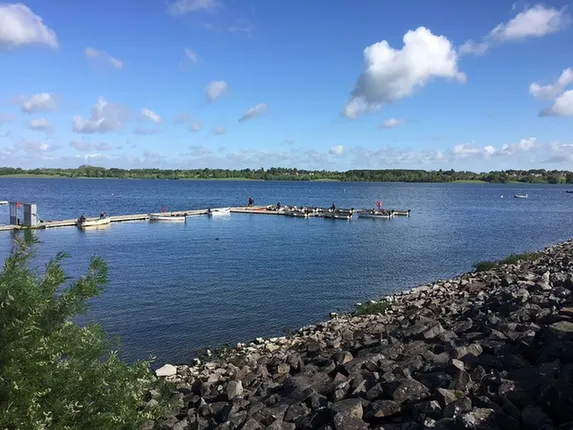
x=336 y=150
x=148 y=114
x=219 y=130
x=42 y=102
x=105 y=117
x=562 y=106
x=254 y=112
x=40 y=124
x=183 y=7
x=551 y=91
x=465 y=150
x=191 y=56
x=215 y=89
x=392 y=122
x=102 y=57
x=33 y=146
x=537 y=21
x=392 y=74
x=20 y=26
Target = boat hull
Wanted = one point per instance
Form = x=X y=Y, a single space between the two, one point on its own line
x=94 y=223
x=220 y=212
x=375 y=215
x=296 y=214
x=344 y=216
x=166 y=218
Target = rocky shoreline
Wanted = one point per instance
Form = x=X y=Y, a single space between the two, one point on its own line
x=488 y=350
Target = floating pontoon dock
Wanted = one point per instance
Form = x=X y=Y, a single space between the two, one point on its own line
x=263 y=210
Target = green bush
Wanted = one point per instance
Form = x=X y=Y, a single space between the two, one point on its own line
x=372 y=308
x=55 y=374
x=484 y=266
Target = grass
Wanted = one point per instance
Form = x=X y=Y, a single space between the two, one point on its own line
x=372 y=308
x=484 y=266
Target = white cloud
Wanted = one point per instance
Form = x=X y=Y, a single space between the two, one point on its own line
x=392 y=122
x=43 y=102
x=336 y=150
x=182 y=7
x=390 y=74
x=105 y=117
x=254 y=112
x=215 y=89
x=562 y=106
x=143 y=131
x=549 y=92
x=41 y=124
x=32 y=147
x=219 y=130
x=148 y=114
x=103 y=58
x=537 y=21
x=195 y=125
x=80 y=145
x=466 y=150
x=198 y=151
x=20 y=26
x=191 y=55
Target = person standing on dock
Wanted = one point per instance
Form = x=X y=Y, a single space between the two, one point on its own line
x=278 y=206
x=102 y=215
x=251 y=202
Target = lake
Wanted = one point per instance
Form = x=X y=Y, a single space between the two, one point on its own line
x=175 y=288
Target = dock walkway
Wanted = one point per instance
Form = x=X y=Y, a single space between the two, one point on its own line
x=263 y=210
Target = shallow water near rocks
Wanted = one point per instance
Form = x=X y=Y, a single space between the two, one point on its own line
x=177 y=287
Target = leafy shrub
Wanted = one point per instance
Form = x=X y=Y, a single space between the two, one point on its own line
x=55 y=374
x=372 y=308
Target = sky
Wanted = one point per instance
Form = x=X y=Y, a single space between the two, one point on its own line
x=436 y=84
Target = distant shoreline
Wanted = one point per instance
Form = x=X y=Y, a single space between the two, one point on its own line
x=459 y=181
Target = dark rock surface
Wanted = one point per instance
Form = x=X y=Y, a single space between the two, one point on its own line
x=490 y=350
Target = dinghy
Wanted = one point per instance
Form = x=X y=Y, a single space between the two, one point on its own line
x=521 y=196
x=165 y=217
x=94 y=222
x=375 y=214
x=219 y=212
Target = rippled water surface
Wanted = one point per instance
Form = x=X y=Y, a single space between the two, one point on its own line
x=177 y=287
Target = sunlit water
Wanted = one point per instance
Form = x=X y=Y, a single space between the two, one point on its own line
x=177 y=287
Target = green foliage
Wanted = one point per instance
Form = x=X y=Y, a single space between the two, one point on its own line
x=55 y=374
x=484 y=266
x=533 y=176
x=372 y=308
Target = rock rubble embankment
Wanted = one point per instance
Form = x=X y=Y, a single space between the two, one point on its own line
x=491 y=350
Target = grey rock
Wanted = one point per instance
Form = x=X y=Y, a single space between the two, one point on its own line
x=342 y=357
x=344 y=421
x=383 y=409
x=350 y=406
x=295 y=412
x=534 y=418
x=410 y=389
x=445 y=397
x=429 y=409
x=147 y=425
x=458 y=407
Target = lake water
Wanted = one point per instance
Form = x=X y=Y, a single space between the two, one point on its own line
x=177 y=287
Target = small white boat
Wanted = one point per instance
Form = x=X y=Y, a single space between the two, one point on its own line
x=219 y=212
x=296 y=213
x=338 y=215
x=94 y=222
x=404 y=212
x=375 y=214
x=166 y=217
x=521 y=196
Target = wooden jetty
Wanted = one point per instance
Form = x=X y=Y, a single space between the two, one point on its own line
x=259 y=210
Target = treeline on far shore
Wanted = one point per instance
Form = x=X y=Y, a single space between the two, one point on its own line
x=533 y=176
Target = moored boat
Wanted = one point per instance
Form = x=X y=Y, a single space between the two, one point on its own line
x=521 y=196
x=296 y=213
x=219 y=212
x=404 y=212
x=166 y=217
x=84 y=222
x=569 y=191
x=338 y=215
x=382 y=214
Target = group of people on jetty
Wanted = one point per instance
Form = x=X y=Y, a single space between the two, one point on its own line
x=83 y=218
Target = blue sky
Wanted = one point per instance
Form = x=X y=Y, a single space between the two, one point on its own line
x=324 y=85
